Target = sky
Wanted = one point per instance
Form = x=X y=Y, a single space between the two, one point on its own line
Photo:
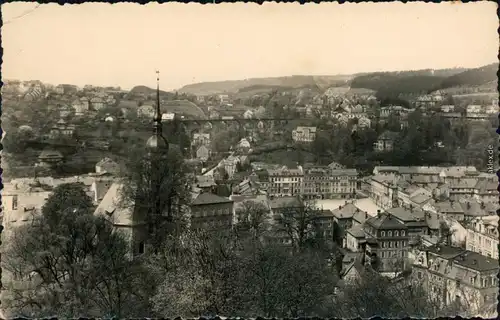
x=124 y=44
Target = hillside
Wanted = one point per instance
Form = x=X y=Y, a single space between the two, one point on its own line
x=472 y=77
x=206 y=88
x=143 y=90
x=390 y=84
x=184 y=107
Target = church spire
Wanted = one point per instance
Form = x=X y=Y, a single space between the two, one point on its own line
x=157 y=142
x=157 y=120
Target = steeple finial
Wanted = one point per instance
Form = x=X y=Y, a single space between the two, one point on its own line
x=158 y=112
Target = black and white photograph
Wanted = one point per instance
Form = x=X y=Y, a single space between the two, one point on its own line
x=248 y=160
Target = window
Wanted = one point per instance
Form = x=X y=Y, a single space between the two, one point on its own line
x=14 y=202
x=389 y=233
x=390 y=244
x=402 y=233
x=382 y=234
x=141 y=248
x=383 y=245
x=396 y=244
x=396 y=233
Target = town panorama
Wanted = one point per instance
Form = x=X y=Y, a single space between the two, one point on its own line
x=321 y=191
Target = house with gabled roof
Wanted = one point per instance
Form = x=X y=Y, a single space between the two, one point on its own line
x=211 y=212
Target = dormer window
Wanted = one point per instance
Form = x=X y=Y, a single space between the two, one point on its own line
x=382 y=233
x=402 y=233
x=389 y=233
x=396 y=233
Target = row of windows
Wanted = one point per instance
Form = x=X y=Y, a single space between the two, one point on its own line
x=392 y=254
x=393 y=244
x=396 y=233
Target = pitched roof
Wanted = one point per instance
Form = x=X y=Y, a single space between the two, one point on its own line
x=209 y=198
x=407 y=215
x=449 y=207
x=356 y=231
x=385 y=221
x=345 y=212
x=476 y=261
x=111 y=208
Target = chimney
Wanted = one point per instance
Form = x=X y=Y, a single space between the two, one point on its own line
x=379 y=213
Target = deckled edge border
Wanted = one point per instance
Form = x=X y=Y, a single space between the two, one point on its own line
x=208 y=2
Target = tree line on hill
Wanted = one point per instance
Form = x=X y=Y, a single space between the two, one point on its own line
x=394 y=84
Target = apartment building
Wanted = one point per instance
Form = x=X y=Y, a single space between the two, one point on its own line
x=384 y=190
x=387 y=243
x=453 y=275
x=317 y=183
x=482 y=236
x=285 y=181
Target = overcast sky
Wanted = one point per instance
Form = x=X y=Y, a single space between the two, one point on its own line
x=123 y=44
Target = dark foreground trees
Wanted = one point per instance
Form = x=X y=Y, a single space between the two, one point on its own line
x=69 y=263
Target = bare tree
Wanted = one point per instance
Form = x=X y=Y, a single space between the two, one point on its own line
x=253 y=218
x=299 y=223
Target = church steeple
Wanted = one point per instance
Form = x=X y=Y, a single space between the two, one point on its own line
x=157 y=142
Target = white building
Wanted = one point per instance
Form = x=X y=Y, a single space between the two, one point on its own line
x=304 y=134
x=482 y=236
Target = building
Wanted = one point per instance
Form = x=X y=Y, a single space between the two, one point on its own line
x=223 y=98
x=203 y=153
x=62 y=129
x=50 y=158
x=107 y=165
x=129 y=221
x=355 y=238
x=201 y=139
x=99 y=188
x=348 y=216
x=384 y=190
x=329 y=182
x=285 y=182
x=317 y=184
x=482 y=236
x=304 y=134
x=453 y=275
x=211 y=212
x=343 y=183
x=387 y=243
x=385 y=141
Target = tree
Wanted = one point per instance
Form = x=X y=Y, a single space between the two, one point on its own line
x=158 y=182
x=252 y=218
x=298 y=223
x=285 y=285
x=203 y=280
x=70 y=262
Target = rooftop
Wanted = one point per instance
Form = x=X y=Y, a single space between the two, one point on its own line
x=209 y=198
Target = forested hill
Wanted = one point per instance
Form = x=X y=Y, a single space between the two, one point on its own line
x=472 y=77
x=423 y=81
